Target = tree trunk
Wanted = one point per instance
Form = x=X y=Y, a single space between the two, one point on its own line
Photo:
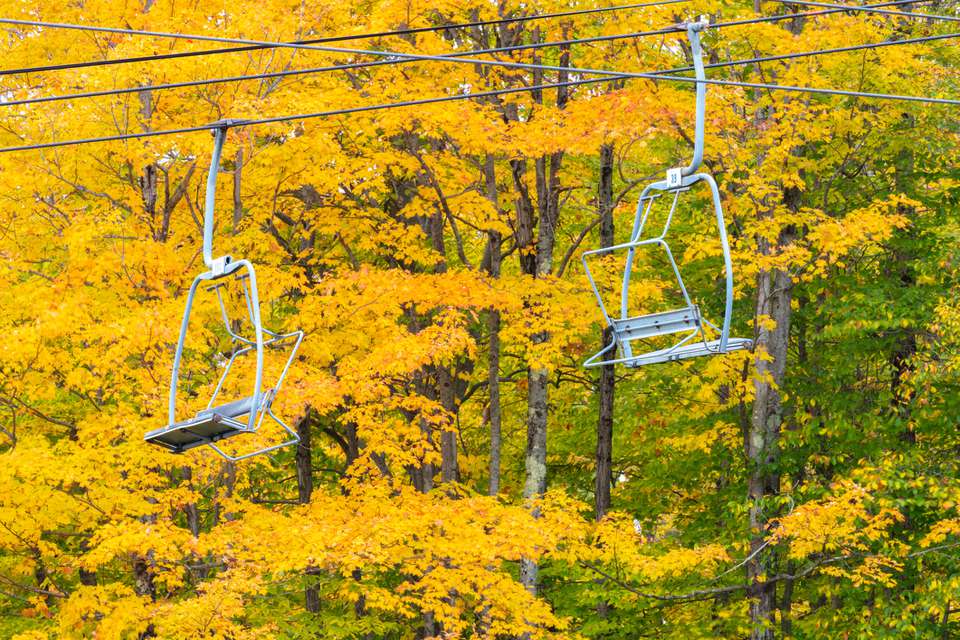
x=493 y=260
x=449 y=467
x=548 y=192
x=605 y=390
x=535 y=462
x=762 y=444
x=536 y=456
x=901 y=268
x=237 y=198
x=303 y=458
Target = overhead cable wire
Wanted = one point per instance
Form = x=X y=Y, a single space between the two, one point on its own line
x=818 y=52
x=357 y=65
x=339 y=38
x=481 y=94
x=318 y=114
x=872 y=9
x=297 y=72
x=455 y=57
x=607 y=73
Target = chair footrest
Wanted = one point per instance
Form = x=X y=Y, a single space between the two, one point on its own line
x=202 y=429
x=657 y=324
x=691 y=350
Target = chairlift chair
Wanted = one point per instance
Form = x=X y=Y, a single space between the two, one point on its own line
x=221 y=421
x=628 y=332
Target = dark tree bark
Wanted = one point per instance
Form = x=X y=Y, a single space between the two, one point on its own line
x=605 y=390
x=492 y=263
x=903 y=270
x=449 y=467
x=303 y=458
x=539 y=264
x=237 y=197
x=762 y=442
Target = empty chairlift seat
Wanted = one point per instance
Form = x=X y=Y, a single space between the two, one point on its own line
x=631 y=334
x=209 y=425
x=243 y=415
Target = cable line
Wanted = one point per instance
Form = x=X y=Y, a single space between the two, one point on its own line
x=818 y=52
x=410 y=56
x=482 y=94
x=296 y=72
x=318 y=114
x=455 y=56
x=656 y=75
x=361 y=36
x=873 y=9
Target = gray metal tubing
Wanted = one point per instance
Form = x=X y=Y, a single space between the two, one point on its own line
x=638 y=226
x=223 y=310
x=178 y=354
x=638 y=223
x=296 y=346
x=274 y=336
x=646 y=214
x=666 y=247
x=239 y=352
x=259 y=343
x=591 y=361
x=676 y=272
x=226 y=370
x=258 y=331
x=267 y=408
x=727 y=261
x=246 y=297
x=250 y=311
x=693 y=34
x=226 y=321
x=219 y=135
x=666 y=225
x=295 y=438
x=625 y=245
x=593 y=285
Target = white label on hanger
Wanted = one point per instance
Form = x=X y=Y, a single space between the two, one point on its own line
x=219 y=265
x=674 y=177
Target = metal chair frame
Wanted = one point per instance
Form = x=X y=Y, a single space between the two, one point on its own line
x=626 y=329
x=215 y=423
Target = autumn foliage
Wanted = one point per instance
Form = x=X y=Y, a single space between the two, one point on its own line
x=445 y=485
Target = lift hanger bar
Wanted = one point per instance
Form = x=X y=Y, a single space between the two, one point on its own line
x=361 y=36
x=297 y=72
x=872 y=9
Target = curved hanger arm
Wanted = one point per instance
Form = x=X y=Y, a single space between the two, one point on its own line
x=219 y=135
x=693 y=35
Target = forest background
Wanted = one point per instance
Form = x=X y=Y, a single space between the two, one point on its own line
x=460 y=475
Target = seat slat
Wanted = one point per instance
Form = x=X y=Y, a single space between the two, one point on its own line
x=691 y=350
x=230 y=409
x=657 y=324
x=197 y=431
